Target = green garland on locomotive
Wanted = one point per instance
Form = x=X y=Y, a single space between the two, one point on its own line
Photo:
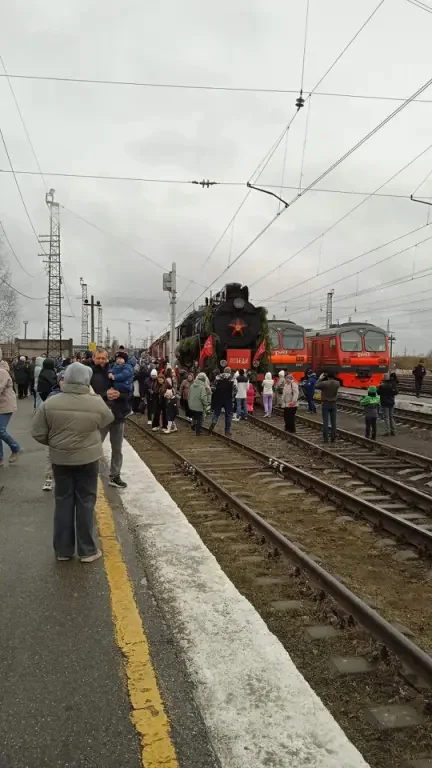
x=233 y=322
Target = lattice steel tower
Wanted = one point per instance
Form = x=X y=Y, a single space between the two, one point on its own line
x=84 y=314
x=99 y=332
x=54 y=332
x=329 y=309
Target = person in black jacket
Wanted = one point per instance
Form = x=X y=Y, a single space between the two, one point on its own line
x=22 y=376
x=119 y=403
x=47 y=379
x=387 y=392
x=419 y=372
x=223 y=396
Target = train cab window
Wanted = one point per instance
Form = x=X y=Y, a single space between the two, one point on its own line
x=274 y=338
x=350 y=341
x=292 y=338
x=375 y=341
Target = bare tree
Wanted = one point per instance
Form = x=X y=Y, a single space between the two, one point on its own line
x=8 y=300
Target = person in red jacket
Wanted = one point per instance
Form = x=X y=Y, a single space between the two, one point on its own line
x=250 y=397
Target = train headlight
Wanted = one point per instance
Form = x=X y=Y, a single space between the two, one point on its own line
x=239 y=303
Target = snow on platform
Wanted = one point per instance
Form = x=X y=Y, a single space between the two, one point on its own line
x=258 y=708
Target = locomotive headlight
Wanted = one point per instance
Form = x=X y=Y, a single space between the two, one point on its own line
x=239 y=303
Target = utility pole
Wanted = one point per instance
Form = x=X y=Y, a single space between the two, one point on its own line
x=99 y=334
x=92 y=319
x=25 y=328
x=129 y=339
x=107 y=339
x=84 y=314
x=54 y=333
x=169 y=284
x=329 y=309
x=391 y=338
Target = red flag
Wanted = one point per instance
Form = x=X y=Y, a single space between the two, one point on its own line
x=259 y=353
x=207 y=350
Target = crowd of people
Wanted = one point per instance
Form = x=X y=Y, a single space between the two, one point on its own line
x=99 y=394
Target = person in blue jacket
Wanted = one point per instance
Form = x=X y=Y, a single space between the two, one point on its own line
x=122 y=373
x=309 y=384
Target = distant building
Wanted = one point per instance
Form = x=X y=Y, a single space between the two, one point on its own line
x=36 y=347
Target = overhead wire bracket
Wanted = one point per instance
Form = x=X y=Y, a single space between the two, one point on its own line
x=205 y=183
x=416 y=200
x=268 y=192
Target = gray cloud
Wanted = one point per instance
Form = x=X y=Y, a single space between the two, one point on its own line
x=165 y=133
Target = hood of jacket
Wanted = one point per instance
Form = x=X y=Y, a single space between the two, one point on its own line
x=268 y=376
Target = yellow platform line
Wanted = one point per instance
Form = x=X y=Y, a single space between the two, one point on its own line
x=148 y=714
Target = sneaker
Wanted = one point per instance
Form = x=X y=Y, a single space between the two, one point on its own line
x=174 y=428
x=63 y=559
x=228 y=434
x=166 y=431
x=131 y=413
x=48 y=484
x=14 y=456
x=91 y=558
x=117 y=482
x=155 y=429
x=149 y=423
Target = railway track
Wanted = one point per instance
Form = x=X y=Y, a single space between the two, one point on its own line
x=403 y=417
x=410 y=468
x=406 y=385
x=306 y=573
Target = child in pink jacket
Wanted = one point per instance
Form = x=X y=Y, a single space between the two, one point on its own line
x=250 y=398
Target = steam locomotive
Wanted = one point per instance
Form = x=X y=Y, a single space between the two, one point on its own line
x=234 y=322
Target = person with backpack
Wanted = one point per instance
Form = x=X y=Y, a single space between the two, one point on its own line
x=199 y=402
x=47 y=379
x=370 y=402
x=279 y=386
x=223 y=395
x=387 y=392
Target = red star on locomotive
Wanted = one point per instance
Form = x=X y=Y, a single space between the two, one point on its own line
x=237 y=327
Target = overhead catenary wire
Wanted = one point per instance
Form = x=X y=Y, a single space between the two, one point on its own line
x=420 y=5
x=278 y=141
x=23 y=123
x=14 y=254
x=304 y=47
x=293 y=187
x=338 y=221
x=365 y=269
x=19 y=190
x=354 y=258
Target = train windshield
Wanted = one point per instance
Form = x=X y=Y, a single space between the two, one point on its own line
x=375 y=341
x=351 y=341
x=274 y=338
x=292 y=338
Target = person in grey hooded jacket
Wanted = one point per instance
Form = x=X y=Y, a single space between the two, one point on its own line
x=70 y=425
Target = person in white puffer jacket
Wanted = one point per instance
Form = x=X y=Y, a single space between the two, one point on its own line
x=267 y=391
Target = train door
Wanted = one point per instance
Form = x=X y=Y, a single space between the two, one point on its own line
x=315 y=358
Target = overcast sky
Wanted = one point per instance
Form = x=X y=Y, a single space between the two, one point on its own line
x=179 y=134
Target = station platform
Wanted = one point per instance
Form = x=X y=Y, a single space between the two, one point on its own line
x=148 y=657
x=408 y=402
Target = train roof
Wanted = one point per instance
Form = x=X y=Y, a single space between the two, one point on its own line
x=336 y=330
x=280 y=323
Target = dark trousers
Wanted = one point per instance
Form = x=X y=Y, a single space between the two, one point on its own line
x=371 y=422
x=289 y=418
x=160 y=410
x=197 y=420
x=228 y=416
x=75 y=498
x=418 y=386
x=329 y=414
x=22 y=390
x=310 y=401
x=135 y=404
